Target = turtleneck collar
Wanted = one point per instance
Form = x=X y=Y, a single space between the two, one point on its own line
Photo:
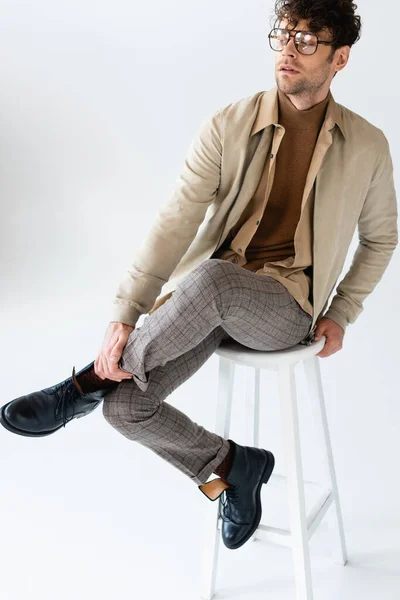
x=293 y=118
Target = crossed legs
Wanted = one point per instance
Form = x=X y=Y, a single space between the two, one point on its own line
x=217 y=300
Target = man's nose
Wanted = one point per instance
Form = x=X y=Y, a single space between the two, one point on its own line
x=290 y=48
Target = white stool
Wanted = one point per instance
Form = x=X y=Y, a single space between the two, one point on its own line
x=302 y=525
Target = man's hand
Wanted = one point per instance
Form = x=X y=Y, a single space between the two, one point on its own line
x=106 y=363
x=334 y=336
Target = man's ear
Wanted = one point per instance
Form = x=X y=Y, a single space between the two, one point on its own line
x=342 y=58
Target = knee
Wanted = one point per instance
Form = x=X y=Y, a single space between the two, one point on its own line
x=214 y=266
x=109 y=409
x=124 y=407
x=214 y=274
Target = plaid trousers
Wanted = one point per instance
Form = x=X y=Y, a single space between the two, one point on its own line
x=217 y=300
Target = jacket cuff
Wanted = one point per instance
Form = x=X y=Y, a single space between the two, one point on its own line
x=125 y=313
x=337 y=316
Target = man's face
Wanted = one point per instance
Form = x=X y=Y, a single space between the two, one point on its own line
x=312 y=71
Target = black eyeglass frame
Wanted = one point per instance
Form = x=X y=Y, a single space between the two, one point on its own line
x=296 y=43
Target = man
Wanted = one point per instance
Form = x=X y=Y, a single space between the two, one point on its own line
x=249 y=247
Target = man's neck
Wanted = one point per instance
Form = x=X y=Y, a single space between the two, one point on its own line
x=307 y=100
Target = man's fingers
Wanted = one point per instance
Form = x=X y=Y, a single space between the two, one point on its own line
x=326 y=350
x=124 y=374
x=113 y=359
x=116 y=352
x=114 y=371
x=333 y=337
x=329 y=349
x=324 y=354
x=319 y=333
x=99 y=367
x=96 y=365
x=120 y=373
x=116 y=374
x=102 y=371
x=106 y=365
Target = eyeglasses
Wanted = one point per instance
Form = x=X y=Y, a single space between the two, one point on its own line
x=305 y=41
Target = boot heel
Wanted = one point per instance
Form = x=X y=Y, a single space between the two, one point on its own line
x=269 y=467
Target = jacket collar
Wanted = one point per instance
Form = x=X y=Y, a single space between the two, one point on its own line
x=268 y=113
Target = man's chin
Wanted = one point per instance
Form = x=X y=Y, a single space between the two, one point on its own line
x=288 y=87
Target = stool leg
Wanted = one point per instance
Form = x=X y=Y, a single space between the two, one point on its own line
x=252 y=413
x=211 y=535
x=292 y=450
x=313 y=375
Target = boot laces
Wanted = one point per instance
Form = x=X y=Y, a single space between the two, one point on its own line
x=65 y=394
x=229 y=496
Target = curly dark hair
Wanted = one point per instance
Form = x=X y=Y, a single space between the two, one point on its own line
x=338 y=16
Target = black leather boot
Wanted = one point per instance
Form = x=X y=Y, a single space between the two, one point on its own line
x=42 y=413
x=241 y=510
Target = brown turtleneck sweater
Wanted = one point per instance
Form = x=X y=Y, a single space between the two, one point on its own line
x=274 y=239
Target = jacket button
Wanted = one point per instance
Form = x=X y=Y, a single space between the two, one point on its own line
x=258 y=222
x=239 y=249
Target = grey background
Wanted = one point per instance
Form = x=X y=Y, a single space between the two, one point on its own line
x=99 y=103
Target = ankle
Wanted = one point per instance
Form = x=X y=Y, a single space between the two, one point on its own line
x=89 y=382
x=224 y=467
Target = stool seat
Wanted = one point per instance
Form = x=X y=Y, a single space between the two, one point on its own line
x=269 y=359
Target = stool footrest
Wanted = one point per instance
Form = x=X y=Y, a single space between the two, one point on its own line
x=318 y=510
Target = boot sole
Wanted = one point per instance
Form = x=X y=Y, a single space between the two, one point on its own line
x=269 y=467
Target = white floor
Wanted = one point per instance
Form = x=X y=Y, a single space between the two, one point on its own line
x=141 y=538
x=87 y=514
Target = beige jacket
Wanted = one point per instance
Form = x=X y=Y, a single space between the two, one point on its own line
x=351 y=170
x=294 y=271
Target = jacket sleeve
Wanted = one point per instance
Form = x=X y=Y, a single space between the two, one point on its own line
x=378 y=238
x=175 y=227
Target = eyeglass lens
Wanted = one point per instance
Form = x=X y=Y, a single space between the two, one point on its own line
x=305 y=42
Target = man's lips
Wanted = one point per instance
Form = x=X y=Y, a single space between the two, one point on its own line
x=288 y=69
